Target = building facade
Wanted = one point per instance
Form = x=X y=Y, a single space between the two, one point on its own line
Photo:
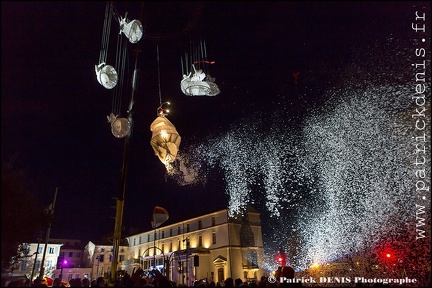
x=32 y=265
x=212 y=246
x=98 y=255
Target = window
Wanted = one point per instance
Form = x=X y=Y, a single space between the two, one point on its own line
x=101 y=258
x=200 y=240
x=171 y=232
x=51 y=250
x=187 y=228
x=23 y=265
x=78 y=254
x=70 y=254
x=199 y=224
x=163 y=234
x=40 y=250
x=170 y=247
x=139 y=242
x=213 y=221
x=252 y=258
x=178 y=245
x=214 y=237
x=121 y=257
x=139 y=252
x=49 y=264
x=155 y=236
x=134 y=241
x=38 y=263
x=178 y=230
x=163 y=247
x=148 y=238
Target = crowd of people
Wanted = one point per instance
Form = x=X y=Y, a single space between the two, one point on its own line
x=158 y=280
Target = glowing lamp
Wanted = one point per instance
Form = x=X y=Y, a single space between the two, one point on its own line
x=165 y=139
x=106 y=75
x=133 y=30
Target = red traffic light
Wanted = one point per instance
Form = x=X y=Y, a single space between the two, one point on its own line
x=279 y=259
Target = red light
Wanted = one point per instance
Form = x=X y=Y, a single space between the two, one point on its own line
x=388 y=255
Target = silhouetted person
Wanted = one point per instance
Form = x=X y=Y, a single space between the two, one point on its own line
x=57 y=282
x=100 y=282
x=229 y=282
x=85 y=282
x=76 y=282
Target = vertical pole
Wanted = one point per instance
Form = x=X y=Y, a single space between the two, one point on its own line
x=187 y=261
x=36 y=256
x=121 y=196
x=51 y=212
x=154 y=249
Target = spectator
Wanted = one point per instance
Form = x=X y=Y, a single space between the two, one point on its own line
x=57 y=282
x=229 y=282
x=85 y=282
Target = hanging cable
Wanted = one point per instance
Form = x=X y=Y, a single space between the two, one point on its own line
x=160 y=94
x=106 y=33
x=120 y=62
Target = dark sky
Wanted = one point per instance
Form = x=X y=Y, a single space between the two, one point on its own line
x=54 y=110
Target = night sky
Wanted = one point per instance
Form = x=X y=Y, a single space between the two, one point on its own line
x=54 y=110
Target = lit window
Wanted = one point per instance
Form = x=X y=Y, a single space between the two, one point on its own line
x=23 y=265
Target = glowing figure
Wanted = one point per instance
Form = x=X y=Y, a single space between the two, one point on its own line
x=106 y=75
x=133 y=30
x=120 y=127
x=165 y=138
x=199 y=84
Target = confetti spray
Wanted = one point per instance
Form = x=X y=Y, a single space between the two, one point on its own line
x=338 y=183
